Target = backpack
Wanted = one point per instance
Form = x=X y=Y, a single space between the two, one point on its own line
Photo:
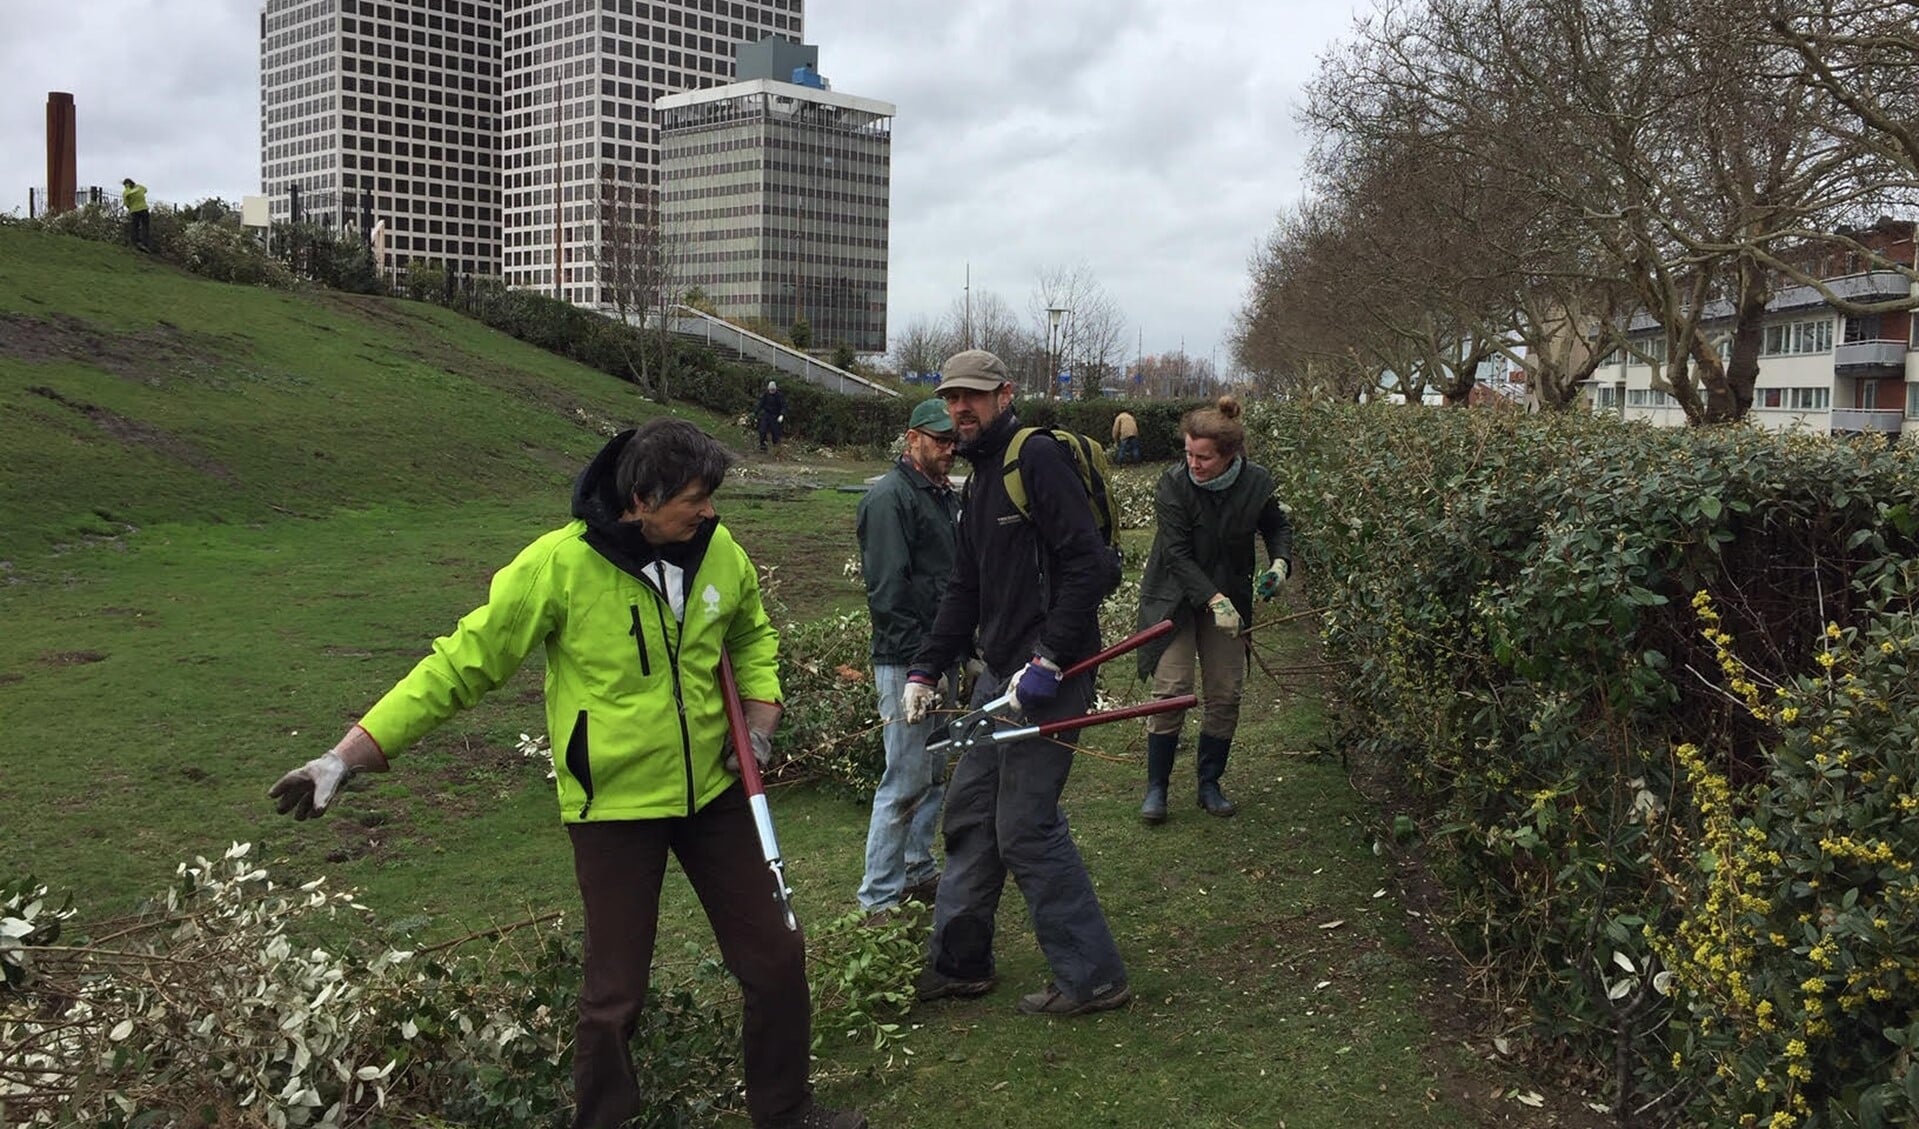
x=1089 y=458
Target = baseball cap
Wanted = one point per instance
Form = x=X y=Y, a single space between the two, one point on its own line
x=930 y=416
x=974 y=369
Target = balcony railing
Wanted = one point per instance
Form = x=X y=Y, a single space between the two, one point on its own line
x=1861 y=419
x=1875 y=354
x=1866 y=286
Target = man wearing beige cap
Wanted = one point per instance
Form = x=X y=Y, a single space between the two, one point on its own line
x=1030 y=589
x=906 y=529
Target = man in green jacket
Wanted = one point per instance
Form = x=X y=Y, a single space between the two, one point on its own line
x=134 y=197
x=907 y=524
x=632 y=603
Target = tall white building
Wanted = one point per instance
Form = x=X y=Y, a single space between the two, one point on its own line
x=386 y=112
x=581 y=79
x=481 y=134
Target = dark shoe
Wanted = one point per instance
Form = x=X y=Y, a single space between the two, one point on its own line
x=814 y=1116
x=1211 y=752
x=922 y=892
x=1052 y=1001
x=1154 y=809
x=932 y=986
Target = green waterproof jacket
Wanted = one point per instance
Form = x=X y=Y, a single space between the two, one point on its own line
x=1204 y=544
x=134 y=197
x=633 y=703
x=907 y=526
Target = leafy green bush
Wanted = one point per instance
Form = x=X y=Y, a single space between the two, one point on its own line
x=1509 y=598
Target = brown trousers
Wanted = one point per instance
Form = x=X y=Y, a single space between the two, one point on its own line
x=1221 y=659
x=620 y=866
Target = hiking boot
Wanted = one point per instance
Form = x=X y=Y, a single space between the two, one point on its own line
x=933 y=985
x=924 y=891
x=1051 y=1001
x=815 y=1116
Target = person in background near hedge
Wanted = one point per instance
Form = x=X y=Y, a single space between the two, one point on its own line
x=139 y=229
x=906 y=530
x=1199 y=575
x=1125 y=438
x=632 y=602
x=1030 y=590
x=771 y=411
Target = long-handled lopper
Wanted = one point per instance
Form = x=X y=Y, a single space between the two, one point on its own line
x=979 y=726
x=755 y=787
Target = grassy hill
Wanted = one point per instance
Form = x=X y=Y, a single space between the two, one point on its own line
x=135 y=394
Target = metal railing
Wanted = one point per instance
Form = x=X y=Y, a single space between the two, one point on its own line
x=1866 y=419
x=689 y=322
x=1877 y=354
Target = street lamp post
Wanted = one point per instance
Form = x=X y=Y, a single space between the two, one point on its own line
x=1053 y=316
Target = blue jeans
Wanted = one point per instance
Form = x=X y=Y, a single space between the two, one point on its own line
x=906 y=805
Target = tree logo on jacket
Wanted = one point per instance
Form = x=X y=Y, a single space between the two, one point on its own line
x=711 y=598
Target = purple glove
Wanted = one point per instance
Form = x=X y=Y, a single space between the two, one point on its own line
x=1039 y=682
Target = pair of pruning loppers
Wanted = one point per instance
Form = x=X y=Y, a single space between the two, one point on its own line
x=755 y=787
x=982 y=726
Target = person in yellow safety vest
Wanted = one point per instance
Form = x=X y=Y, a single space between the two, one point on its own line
x=134 y=196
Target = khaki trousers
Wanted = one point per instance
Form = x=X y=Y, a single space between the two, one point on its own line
x=1221 y=660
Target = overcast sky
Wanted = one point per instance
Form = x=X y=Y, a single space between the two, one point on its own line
x=1151 y=140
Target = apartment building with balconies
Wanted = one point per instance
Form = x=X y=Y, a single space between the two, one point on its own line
x=1820 y=368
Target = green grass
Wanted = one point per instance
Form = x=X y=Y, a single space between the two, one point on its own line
x=176 y=638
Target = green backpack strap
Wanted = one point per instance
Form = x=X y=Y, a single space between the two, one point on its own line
x=1009 y=467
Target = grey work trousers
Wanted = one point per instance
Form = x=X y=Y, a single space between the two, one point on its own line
x=1003 y=817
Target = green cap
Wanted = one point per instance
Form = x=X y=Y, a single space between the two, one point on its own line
x=930 y=416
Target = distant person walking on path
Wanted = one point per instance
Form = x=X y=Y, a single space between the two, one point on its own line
x=633 y=603
x=139 y=227
x=1199 y=575
x=1125 y=438
x=772 y=413
x=907 y=525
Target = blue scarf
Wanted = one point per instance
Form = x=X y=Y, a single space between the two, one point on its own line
x=1220 y=481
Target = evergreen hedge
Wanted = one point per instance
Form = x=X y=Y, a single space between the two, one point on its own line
x=1647 y=692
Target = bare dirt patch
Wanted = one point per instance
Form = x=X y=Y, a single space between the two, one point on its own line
x=150 y=356
x=71 y=658
x=133 y=433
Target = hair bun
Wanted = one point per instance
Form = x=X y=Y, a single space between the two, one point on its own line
x=1227 y=406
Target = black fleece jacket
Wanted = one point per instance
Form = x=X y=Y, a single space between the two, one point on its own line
x=1026 y=587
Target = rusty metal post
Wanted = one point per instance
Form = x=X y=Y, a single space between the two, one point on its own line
x=61 y=178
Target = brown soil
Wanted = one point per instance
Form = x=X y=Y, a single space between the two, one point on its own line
x=150 y=356
x=134 y=433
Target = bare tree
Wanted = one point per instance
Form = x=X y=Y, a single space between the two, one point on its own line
x=639 y=274
x=923 y=346
x=1092 y=334
x=998 y=330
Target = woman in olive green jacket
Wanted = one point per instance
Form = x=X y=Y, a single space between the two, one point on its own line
x=1200 y=576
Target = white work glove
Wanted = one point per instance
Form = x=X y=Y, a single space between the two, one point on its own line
x=1225 y=615
x=1039 y=682
x=1266 y=586
x=307 y=790
x=917 y=700
x=762 y=751
x=782 y=419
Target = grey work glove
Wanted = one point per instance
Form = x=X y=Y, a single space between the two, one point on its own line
x=918 y=699
x=306 y=791
x=1225 y=615
x=762 y=751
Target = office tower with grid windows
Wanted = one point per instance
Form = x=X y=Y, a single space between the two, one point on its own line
x=775 y=193
x=579 y=131
x=386 y=112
